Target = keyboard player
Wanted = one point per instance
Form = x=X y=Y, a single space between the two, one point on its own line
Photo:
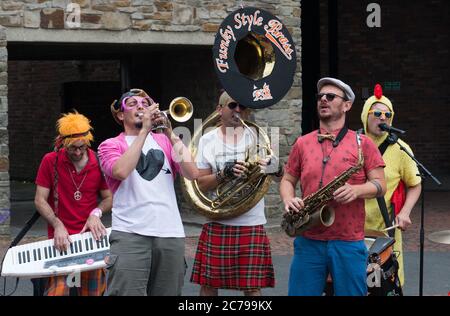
x=68 y=184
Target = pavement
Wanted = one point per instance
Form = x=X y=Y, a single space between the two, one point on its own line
x=436 y=266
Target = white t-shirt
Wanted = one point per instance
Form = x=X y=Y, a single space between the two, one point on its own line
x=145 y=202
x=212 y=153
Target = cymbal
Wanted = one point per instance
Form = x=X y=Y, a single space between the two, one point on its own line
x=442 y=237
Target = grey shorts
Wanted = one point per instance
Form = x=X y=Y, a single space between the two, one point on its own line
x=143 y=265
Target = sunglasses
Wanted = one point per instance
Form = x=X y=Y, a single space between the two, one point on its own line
x=378 y=113
x=135 y=101
x=330 y=96
x=233 y=105
x=73 y=148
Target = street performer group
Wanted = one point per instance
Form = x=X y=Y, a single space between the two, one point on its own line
x=357 y=187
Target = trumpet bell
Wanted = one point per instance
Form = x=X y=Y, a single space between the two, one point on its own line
x=181 y=109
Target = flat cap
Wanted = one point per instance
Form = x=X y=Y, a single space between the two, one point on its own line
x=338 y=83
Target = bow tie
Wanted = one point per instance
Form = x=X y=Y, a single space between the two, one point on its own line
x=321 y=137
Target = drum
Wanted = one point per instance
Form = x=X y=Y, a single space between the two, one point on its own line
x=380 y=250
x=382 y=267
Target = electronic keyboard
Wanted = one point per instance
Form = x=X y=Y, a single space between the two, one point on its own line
x=41 y=259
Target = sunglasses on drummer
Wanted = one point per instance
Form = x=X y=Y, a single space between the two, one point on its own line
x=378 y=113
x=233 y=105
x=329 y=96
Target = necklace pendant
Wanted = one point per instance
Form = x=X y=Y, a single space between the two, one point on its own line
x=77 y=195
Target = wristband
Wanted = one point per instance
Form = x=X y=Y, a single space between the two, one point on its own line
x=96 y=212
x=378 y=186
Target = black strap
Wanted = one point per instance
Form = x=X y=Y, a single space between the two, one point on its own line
x=340 y=136
x=325 y=159
x=391 y=139
x=385 y=214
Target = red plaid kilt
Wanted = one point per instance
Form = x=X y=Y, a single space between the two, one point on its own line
x=233 y=257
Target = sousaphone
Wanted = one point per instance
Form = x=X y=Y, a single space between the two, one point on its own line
x=255 y=60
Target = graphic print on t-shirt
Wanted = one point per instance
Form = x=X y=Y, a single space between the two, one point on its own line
x=150 y=165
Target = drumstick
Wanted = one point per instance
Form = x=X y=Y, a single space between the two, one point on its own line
x=389 y=228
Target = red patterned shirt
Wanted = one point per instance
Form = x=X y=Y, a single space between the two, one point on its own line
x=305 y=163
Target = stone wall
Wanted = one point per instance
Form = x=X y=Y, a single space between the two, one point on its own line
x=158 y=22
x=142 y=15
x=4 y=149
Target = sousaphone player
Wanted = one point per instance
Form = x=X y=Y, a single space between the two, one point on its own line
x=254 y=58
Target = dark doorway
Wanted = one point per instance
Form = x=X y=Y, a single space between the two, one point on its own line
x=91 y=99
x=310 y=25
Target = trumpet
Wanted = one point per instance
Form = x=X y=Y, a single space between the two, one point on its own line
x=180 y=109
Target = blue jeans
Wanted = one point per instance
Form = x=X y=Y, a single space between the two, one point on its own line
x=314 y=259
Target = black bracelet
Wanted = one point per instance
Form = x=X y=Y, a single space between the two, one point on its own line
x=378 y=186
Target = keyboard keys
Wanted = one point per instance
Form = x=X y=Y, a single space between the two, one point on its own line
x=45 y=251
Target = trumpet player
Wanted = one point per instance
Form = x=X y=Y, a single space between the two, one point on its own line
x=147 y=238
x=232 y=253
x=315 y=160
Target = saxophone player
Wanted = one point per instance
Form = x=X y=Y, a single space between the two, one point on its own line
x=315 y=160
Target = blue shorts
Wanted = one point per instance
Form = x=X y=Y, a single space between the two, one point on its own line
x=346 y=261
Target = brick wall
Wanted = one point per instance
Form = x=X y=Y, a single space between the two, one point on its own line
x=408 y=56
x=35 y=103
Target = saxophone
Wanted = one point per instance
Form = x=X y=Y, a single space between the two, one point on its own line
x=315 y=210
